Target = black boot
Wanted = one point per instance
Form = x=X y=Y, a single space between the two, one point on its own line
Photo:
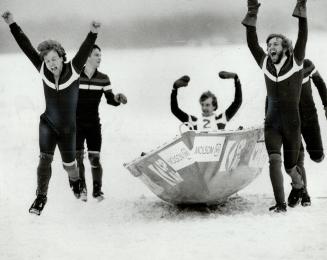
x=76 y=187
x=97 y=193
x=83 y=191
x=279 y=207
x=38 y=204
x=295 y=196
x=306 y=200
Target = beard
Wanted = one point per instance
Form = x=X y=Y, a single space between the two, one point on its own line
x=278 y=59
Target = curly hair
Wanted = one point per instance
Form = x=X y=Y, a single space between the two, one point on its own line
x=209 y=94
x=286 y=42
x=46 y=46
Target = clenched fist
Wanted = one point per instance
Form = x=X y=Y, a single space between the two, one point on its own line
x=95 y=25
x=8 y=17
x=182 y=82
x=121 y=98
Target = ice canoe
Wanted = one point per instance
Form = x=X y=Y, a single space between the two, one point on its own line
x=202 y=167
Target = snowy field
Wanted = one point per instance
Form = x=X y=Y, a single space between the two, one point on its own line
x=132 y=223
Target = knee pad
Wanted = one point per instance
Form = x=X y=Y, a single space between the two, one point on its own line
x=94 y=160
x=275 y=159
x=45 y=160
x=72 y=170
x=70 y=166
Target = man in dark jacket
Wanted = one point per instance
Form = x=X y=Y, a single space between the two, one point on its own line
x=58 y=122
x=282 y=70
x=93 y=84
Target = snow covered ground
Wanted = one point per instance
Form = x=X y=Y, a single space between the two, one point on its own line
x=131 y=223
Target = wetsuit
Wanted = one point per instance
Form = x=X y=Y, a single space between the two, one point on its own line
x=282 y=122
x=88 y=121
x=215 y=122
x=58 y=122
x=310 y=128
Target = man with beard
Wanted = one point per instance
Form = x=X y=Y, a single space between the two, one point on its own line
x=282 y=69
x=93 y=84
x=209 y=120
x=58 y=122
x=310 y=128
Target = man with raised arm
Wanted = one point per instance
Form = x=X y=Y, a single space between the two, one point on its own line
x=208 y=120
x=58 y=122
x=283 y=72
x=310 y=128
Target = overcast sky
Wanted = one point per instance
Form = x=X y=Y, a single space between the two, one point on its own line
x=151 y=23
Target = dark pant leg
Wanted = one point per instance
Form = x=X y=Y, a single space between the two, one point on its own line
x=273 y=141
x=312 y=137
x=67 y=148
x=300 y=165
x=47 y=144
x=80 y=139
x=291 y=149
x=93 y=137
x=94 y=140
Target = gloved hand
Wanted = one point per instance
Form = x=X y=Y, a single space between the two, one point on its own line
x=181 y=82
x=94 y=26
x=121 y=98
x=8 y=17
x=251 y=16
x=300 y=9
x=227 y=75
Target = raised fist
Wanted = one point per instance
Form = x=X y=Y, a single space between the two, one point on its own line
x=300 y=9
x=250 y=18
x=8 y=17
x=253 y=3
x=121 y=98
x=182 y=82
x=227 y=75
x=95 y=25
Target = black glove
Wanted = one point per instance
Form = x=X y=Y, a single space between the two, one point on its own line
x=121 y=98
x=227 y=75
x=300 y=9
x=251 y=16
x=181 y=82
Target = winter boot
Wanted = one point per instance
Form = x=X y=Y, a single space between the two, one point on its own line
x=38 y=204
x=97 y=193
x=279 y=208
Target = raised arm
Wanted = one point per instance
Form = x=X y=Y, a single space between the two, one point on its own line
x=234 y=107
x=180 y=114
x=301 y=42
x=86 y=47
x=22 y=40
x=250 y=22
